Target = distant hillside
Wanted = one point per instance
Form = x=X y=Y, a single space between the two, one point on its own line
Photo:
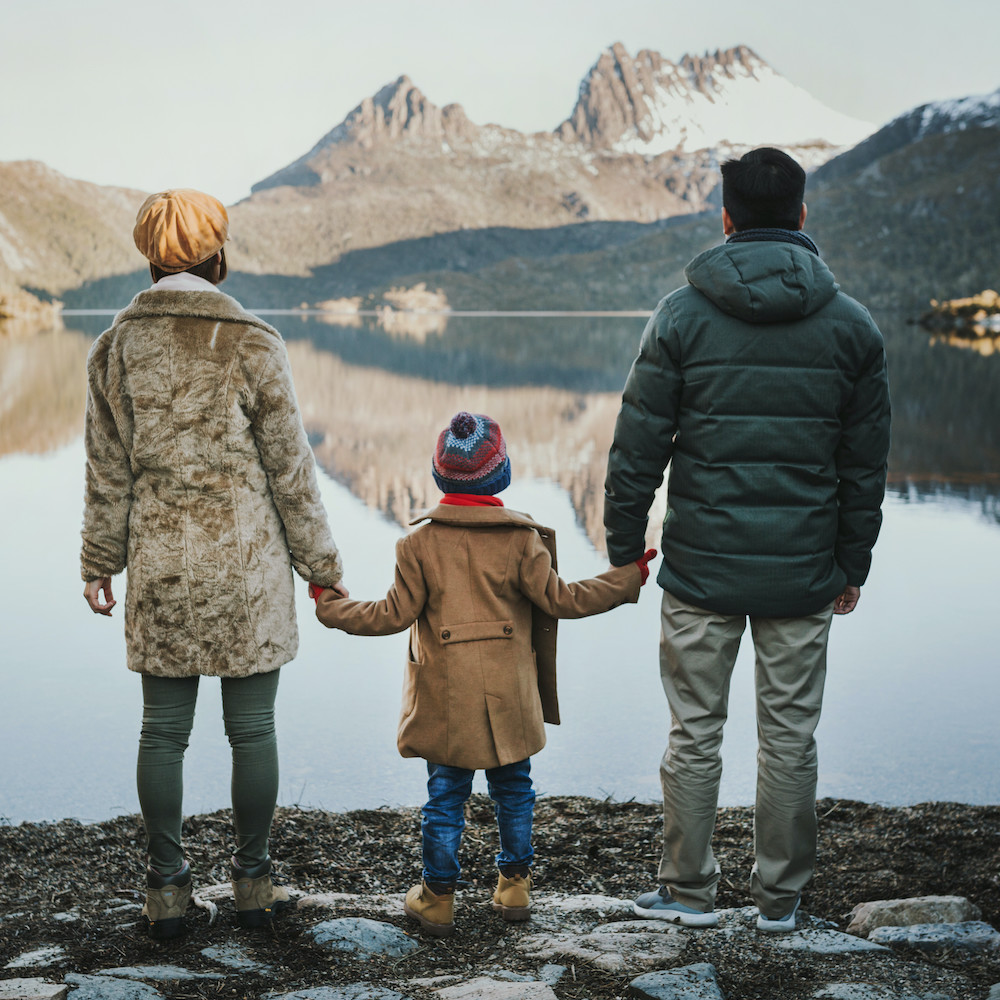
x=978 y=112
x=57 y=233
x=921 y=222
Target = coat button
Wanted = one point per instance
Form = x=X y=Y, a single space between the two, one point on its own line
x=445 y=635
x=508 y=630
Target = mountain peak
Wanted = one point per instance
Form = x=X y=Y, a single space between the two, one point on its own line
x=399 y=110
x=648 y=104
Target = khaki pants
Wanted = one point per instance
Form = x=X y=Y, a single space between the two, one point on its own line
x=697 y=652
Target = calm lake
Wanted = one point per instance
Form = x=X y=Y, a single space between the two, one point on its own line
x=913 y=689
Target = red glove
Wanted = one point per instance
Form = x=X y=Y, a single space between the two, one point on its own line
x=643 y=563
x=315 y=590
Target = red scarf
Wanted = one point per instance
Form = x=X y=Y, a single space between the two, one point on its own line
x=470 y=500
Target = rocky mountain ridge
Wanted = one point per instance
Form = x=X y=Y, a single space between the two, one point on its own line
x=399 y=110
x=646 y=105
x=726 y=99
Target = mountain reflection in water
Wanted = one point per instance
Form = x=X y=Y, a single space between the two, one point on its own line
x=373 y=400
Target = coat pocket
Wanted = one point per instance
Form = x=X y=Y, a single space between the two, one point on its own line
x=474 y=631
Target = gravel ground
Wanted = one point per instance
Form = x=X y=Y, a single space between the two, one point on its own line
x=583 y=846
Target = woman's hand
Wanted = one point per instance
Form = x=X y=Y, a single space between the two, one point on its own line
x=92 y=593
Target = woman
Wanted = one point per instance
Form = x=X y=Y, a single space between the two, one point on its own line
x=200 y=480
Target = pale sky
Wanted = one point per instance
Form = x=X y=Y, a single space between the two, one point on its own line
x=217 y=94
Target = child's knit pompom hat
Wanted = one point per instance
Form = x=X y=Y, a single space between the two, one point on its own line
x=471 y=456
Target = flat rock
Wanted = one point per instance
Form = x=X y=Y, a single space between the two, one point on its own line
x=551 y=974
x=870 y=991
x=353 y=991
x=865 y=917
x=552 y=911
x=51 y=954
x=485 y=988
x=109 y=988
x=821 y=942
x=363 y=938
x=163 y=973
x=31 y=989
x=638 y=926
x=589 y=904
x=234 y=957
x=994 y=992
x=371 y=904
x=971 y=936
x=692 y=982
x=615 y=952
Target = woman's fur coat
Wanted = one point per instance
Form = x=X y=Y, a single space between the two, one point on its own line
x=201 y=481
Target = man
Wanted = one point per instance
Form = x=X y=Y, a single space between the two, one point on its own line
x=764 y=388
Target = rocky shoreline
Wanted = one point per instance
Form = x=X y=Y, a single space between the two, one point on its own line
x=22 y=313
x=71 y=895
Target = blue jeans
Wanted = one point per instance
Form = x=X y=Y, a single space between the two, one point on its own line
x=448 y=789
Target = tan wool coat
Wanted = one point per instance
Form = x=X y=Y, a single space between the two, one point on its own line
x=201 y=481
x=478 y=588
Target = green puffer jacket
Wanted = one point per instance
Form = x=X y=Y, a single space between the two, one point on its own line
x=764 y=387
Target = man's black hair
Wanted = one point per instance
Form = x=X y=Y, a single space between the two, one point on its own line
x=763 y=189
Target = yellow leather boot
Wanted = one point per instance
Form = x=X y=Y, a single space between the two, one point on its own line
x=512 y=899
x=435 y=911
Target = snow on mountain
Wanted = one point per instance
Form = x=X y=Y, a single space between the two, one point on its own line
x=650 y=105
x=979 y=111
x=940 y=117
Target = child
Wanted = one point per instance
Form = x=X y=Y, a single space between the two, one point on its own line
x=479 y=586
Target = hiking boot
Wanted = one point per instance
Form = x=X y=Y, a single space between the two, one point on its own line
x=433 y=906
x=779 y=925
x=660 y=905
x=167 y=897
x=258 y=899
x=512 y=899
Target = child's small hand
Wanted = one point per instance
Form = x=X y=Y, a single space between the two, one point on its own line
x=339 y=588
x=643 y=563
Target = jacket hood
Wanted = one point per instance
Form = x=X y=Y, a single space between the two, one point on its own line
x=201 y=305
x=763 y=282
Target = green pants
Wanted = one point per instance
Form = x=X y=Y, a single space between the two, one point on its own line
x=697 y=652
x=167 y=718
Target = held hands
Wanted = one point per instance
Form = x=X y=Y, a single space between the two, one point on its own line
x=315 y=590
x=847 y=601
x=92 y=591
x=643 y=563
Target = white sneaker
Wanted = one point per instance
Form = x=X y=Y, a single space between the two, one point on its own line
x=779 y=925
x=660 y=905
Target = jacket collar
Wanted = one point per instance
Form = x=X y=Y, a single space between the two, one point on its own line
x=478 y=516
x=212 y=304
